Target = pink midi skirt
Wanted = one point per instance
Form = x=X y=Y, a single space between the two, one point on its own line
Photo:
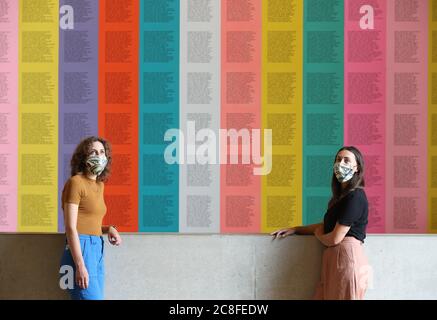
x=345 y=272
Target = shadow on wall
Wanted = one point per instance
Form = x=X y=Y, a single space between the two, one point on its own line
x=291 y=268
x=29 y=266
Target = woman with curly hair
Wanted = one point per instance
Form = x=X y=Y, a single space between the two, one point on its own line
x=84 y=208
x=345 y=270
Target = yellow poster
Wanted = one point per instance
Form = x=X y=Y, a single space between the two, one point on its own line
x=282 y=47
x=38 y=115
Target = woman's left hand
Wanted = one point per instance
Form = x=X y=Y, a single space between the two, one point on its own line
x=114 y=237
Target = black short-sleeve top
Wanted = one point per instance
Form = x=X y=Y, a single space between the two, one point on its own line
x=352 y=210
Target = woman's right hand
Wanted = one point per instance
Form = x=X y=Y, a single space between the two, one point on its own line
x=82 y=278
x=282 y=233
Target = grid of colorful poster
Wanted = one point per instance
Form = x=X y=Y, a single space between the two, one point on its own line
x=224 y=116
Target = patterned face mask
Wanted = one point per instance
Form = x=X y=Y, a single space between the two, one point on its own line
x=96 y=164
x=343 y=172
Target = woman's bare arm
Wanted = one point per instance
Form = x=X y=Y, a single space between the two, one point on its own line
x=309 y=229
x=70 y=221
x=301 y=230
x=334 y=237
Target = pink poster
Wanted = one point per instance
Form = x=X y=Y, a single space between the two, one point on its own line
x=407 y=94
x=365 y=97
x=8 y=115
x=240 y=113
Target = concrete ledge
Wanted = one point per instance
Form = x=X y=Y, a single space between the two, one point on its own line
x=175 y=266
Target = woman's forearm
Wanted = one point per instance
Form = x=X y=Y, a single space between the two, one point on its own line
x=74 y=244
x=327 y=239
x=307 y=230
x=334 y=237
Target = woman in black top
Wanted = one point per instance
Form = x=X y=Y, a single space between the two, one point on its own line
x=345 y=269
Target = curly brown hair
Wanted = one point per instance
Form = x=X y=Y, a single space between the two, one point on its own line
x=83 y=149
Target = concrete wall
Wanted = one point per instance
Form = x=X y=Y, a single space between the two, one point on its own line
x=169 y=266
